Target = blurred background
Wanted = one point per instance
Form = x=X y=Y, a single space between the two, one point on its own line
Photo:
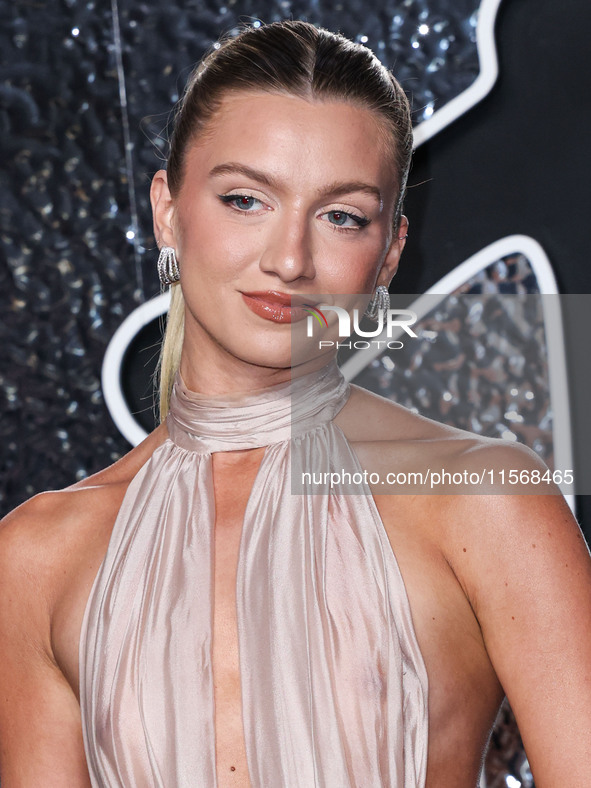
x=85 y=99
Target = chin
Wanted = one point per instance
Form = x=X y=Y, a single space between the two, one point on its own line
x=273 y=354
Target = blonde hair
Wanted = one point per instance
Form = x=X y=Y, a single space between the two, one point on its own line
x=291 y=57
x=170 y=355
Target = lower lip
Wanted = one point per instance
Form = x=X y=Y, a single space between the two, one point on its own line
x=271 y=310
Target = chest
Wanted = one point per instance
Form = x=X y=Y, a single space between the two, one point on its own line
x=232 y=485
x=446 y=629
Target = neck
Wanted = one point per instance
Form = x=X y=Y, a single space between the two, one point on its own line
x=215 y=371
x=246 y=419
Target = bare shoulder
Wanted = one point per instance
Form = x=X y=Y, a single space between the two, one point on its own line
x=40 y=726
x=456 y=487
x=524 y=566
x=497 y=499
x=389 y=437
x=50 y=549
x=42 y=537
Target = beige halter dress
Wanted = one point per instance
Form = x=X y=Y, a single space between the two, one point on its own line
x=334 y=687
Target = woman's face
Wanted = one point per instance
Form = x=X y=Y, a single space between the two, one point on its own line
x=280 y=197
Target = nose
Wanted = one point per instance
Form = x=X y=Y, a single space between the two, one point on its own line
x=288 y=251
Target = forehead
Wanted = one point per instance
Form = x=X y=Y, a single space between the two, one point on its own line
x=304 y=142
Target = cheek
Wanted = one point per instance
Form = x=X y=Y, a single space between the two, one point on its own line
x=210 y=255
x=349 y=265
x=353 y=275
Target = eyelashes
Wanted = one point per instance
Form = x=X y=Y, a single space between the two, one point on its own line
x=243 y=203
x=232 y=198
x=360 y=220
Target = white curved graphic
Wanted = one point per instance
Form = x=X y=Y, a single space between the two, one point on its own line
x=489 y=70
x=557 y=372
x=113 y=362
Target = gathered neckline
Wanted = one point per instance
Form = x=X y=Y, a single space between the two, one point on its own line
x=250 y=419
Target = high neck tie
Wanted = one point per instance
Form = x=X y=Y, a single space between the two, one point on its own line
x=334 y=687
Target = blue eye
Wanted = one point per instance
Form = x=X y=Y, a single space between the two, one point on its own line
x=339 y=219
x=243 y=202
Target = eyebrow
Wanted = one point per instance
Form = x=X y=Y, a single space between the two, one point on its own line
x=334 y=189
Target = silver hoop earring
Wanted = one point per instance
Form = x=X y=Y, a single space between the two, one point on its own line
x=168 y=267
x=380 y=301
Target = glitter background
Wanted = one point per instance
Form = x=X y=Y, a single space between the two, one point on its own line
x=85 y=95
x=85 y=101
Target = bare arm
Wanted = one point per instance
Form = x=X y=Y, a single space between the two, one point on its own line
x=525 y=567
x=40 y=725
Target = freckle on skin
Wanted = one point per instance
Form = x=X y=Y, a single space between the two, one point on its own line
x=533 y=545
x=512 y=618
x=464 y=549
x=232 y=768
x=506 y=583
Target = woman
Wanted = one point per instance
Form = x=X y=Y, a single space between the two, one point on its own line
x=377 y=633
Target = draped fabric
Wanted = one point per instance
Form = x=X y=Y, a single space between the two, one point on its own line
x=334 y=687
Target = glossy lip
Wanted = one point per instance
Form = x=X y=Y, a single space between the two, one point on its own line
x=276 y=306
x=285 y=299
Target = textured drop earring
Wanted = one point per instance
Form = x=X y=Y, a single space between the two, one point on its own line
x=168 y=267
x=380 y=300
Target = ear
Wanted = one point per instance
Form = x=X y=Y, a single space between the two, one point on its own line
x=392 y=258
x=162 y=210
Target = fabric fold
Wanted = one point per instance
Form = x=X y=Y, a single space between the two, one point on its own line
x=334 y=687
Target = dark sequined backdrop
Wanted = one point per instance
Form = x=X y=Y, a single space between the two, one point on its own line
x=86 y=93
x=84 y=100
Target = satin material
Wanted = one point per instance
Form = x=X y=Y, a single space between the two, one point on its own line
x=334 y=687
